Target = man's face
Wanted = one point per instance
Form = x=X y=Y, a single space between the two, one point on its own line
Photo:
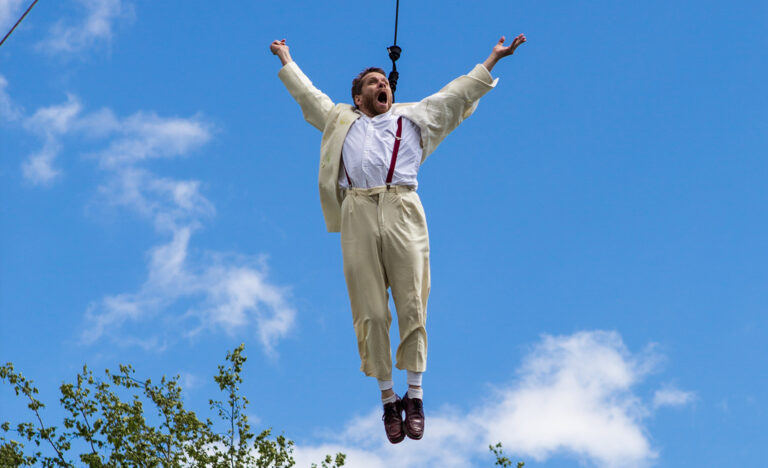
x=375 y=96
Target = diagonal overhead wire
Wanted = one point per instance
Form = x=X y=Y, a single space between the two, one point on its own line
x=19 y=21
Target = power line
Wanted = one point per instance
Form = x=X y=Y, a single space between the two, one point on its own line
x=22 y=17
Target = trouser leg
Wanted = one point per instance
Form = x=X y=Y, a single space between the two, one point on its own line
x=366 y=283
x=405 y=254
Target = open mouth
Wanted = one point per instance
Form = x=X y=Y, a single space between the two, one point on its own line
x=382 y=97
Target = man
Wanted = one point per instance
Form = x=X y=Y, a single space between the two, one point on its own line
x=370 y=155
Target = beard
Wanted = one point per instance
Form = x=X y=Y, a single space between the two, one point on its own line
x=372 y=105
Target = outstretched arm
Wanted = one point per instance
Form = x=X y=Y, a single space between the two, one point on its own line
x=499 y=51
x=437 y=115
x=315 y=105
x=280 y=48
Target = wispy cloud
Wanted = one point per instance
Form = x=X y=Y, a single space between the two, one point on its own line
x=171 y=205
x=38 y=168
x=50 y=123
x=94 y=27
x=146 y=136
x=55 y=120
x=186 y=291
x=573 y=396
x=671 y=396
x=228 y=292
x=9 y=111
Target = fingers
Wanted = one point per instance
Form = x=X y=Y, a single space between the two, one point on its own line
x=519 y=39
x=277 y=45
x=516 y=43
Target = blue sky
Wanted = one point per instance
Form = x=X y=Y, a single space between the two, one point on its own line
x=598 y=234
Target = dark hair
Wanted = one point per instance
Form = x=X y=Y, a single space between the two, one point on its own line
x=357 y=83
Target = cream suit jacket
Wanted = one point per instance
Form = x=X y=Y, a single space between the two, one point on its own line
x=436 y=116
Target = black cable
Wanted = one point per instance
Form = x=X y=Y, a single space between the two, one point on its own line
x=397 y=13
x=25 y=14
x=394 y=54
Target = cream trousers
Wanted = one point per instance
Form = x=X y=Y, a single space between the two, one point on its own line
x=385 y=244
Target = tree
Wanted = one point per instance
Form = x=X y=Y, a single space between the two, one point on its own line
x=120 y=420
x=502 y=460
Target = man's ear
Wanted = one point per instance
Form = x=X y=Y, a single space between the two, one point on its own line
x=358 y=99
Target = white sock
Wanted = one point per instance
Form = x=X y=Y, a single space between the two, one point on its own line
x=414 y=378
x=390 y=399
x=385 y=384
x=416 y=393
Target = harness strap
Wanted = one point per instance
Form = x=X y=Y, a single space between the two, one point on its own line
x=394 y=151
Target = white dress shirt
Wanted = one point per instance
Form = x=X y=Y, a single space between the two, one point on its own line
x=367 y=152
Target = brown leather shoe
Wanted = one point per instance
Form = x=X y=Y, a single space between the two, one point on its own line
x=393 y=421
x=414 y=417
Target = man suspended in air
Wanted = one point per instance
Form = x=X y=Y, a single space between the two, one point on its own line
x=370 y=154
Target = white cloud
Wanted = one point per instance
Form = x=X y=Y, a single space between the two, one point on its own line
x=672 y=397
x=38 y=167
x=228 y=292
x=573 y=397
x=50 y=123
x=140 y=136
x=240 y=295
x=232 y=294
x=189 y=381
x=96 y=27
x=168 y=203
x=10 y=10
x=8 y=110
x=185 y=291
x=55 y=120
x=145 y=135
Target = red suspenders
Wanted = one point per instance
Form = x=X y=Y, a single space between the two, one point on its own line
x=394 y=151
x=396 y=148
x=349 y=182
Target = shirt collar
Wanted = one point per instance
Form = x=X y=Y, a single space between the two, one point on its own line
x=377 y=119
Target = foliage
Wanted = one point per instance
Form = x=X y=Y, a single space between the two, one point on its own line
x=329 y=462
x=502 y=460
x=120 y=420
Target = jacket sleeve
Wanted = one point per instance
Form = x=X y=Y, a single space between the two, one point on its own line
x=315 y=105
x=439 y=114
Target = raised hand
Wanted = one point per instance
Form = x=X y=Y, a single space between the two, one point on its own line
x=500 y=50
x=276 y=46
x=281 y=49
